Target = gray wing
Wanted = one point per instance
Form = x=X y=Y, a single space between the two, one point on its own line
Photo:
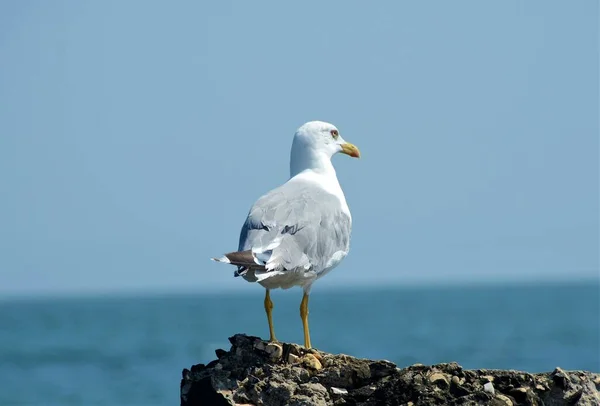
x=298 y=225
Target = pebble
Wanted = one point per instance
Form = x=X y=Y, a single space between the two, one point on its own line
x=520 y=394
x=316 y=354
x=505 y=399
x=439 y=379
x=274 y=350
x=338 y=391
x=489 y=388
x=310 y=361
x=292 y=359
x=458 y=381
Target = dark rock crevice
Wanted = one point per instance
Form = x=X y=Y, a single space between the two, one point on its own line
x=256 y=372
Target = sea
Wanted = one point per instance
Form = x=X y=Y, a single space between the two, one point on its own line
x=130 y=350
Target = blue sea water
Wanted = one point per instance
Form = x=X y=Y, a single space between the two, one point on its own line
x=131 y=350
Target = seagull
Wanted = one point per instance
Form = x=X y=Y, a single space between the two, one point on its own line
x=299 y=231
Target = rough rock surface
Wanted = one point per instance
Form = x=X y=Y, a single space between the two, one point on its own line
x=256 y=372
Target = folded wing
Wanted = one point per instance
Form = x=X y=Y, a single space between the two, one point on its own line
x=298 y=226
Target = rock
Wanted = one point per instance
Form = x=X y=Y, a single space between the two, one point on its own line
x=310 y=394
x=256 y=372
x=560 y=378
x=338 y=391
x=489 y=388
x=274 y=350
x=260 y=345
x=504 y=399
x=381 y=369
x=439 y=380
x=311 y=362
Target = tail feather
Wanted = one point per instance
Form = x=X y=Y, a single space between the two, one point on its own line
x=244 y=260
x=239 y=258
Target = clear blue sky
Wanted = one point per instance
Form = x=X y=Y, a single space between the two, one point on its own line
x=135 y=135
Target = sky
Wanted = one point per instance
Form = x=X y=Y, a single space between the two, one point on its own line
x=135 y=135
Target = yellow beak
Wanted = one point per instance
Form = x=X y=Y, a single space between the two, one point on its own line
x=351 y=150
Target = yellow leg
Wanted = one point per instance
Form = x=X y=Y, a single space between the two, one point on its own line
x=304 y=316
x=269 y=310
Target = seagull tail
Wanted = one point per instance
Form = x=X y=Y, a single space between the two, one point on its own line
x=244 y=260
x=240 y=258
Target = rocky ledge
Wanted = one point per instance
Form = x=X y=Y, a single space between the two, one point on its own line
x=256 y=372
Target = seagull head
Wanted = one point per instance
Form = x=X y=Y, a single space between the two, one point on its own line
x=319 y=137
x=315 y=143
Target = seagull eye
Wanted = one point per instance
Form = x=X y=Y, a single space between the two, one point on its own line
x=334 y=134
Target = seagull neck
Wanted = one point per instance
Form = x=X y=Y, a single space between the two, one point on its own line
x=318 y=163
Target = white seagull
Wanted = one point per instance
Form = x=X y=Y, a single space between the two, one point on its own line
x=299 y=231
